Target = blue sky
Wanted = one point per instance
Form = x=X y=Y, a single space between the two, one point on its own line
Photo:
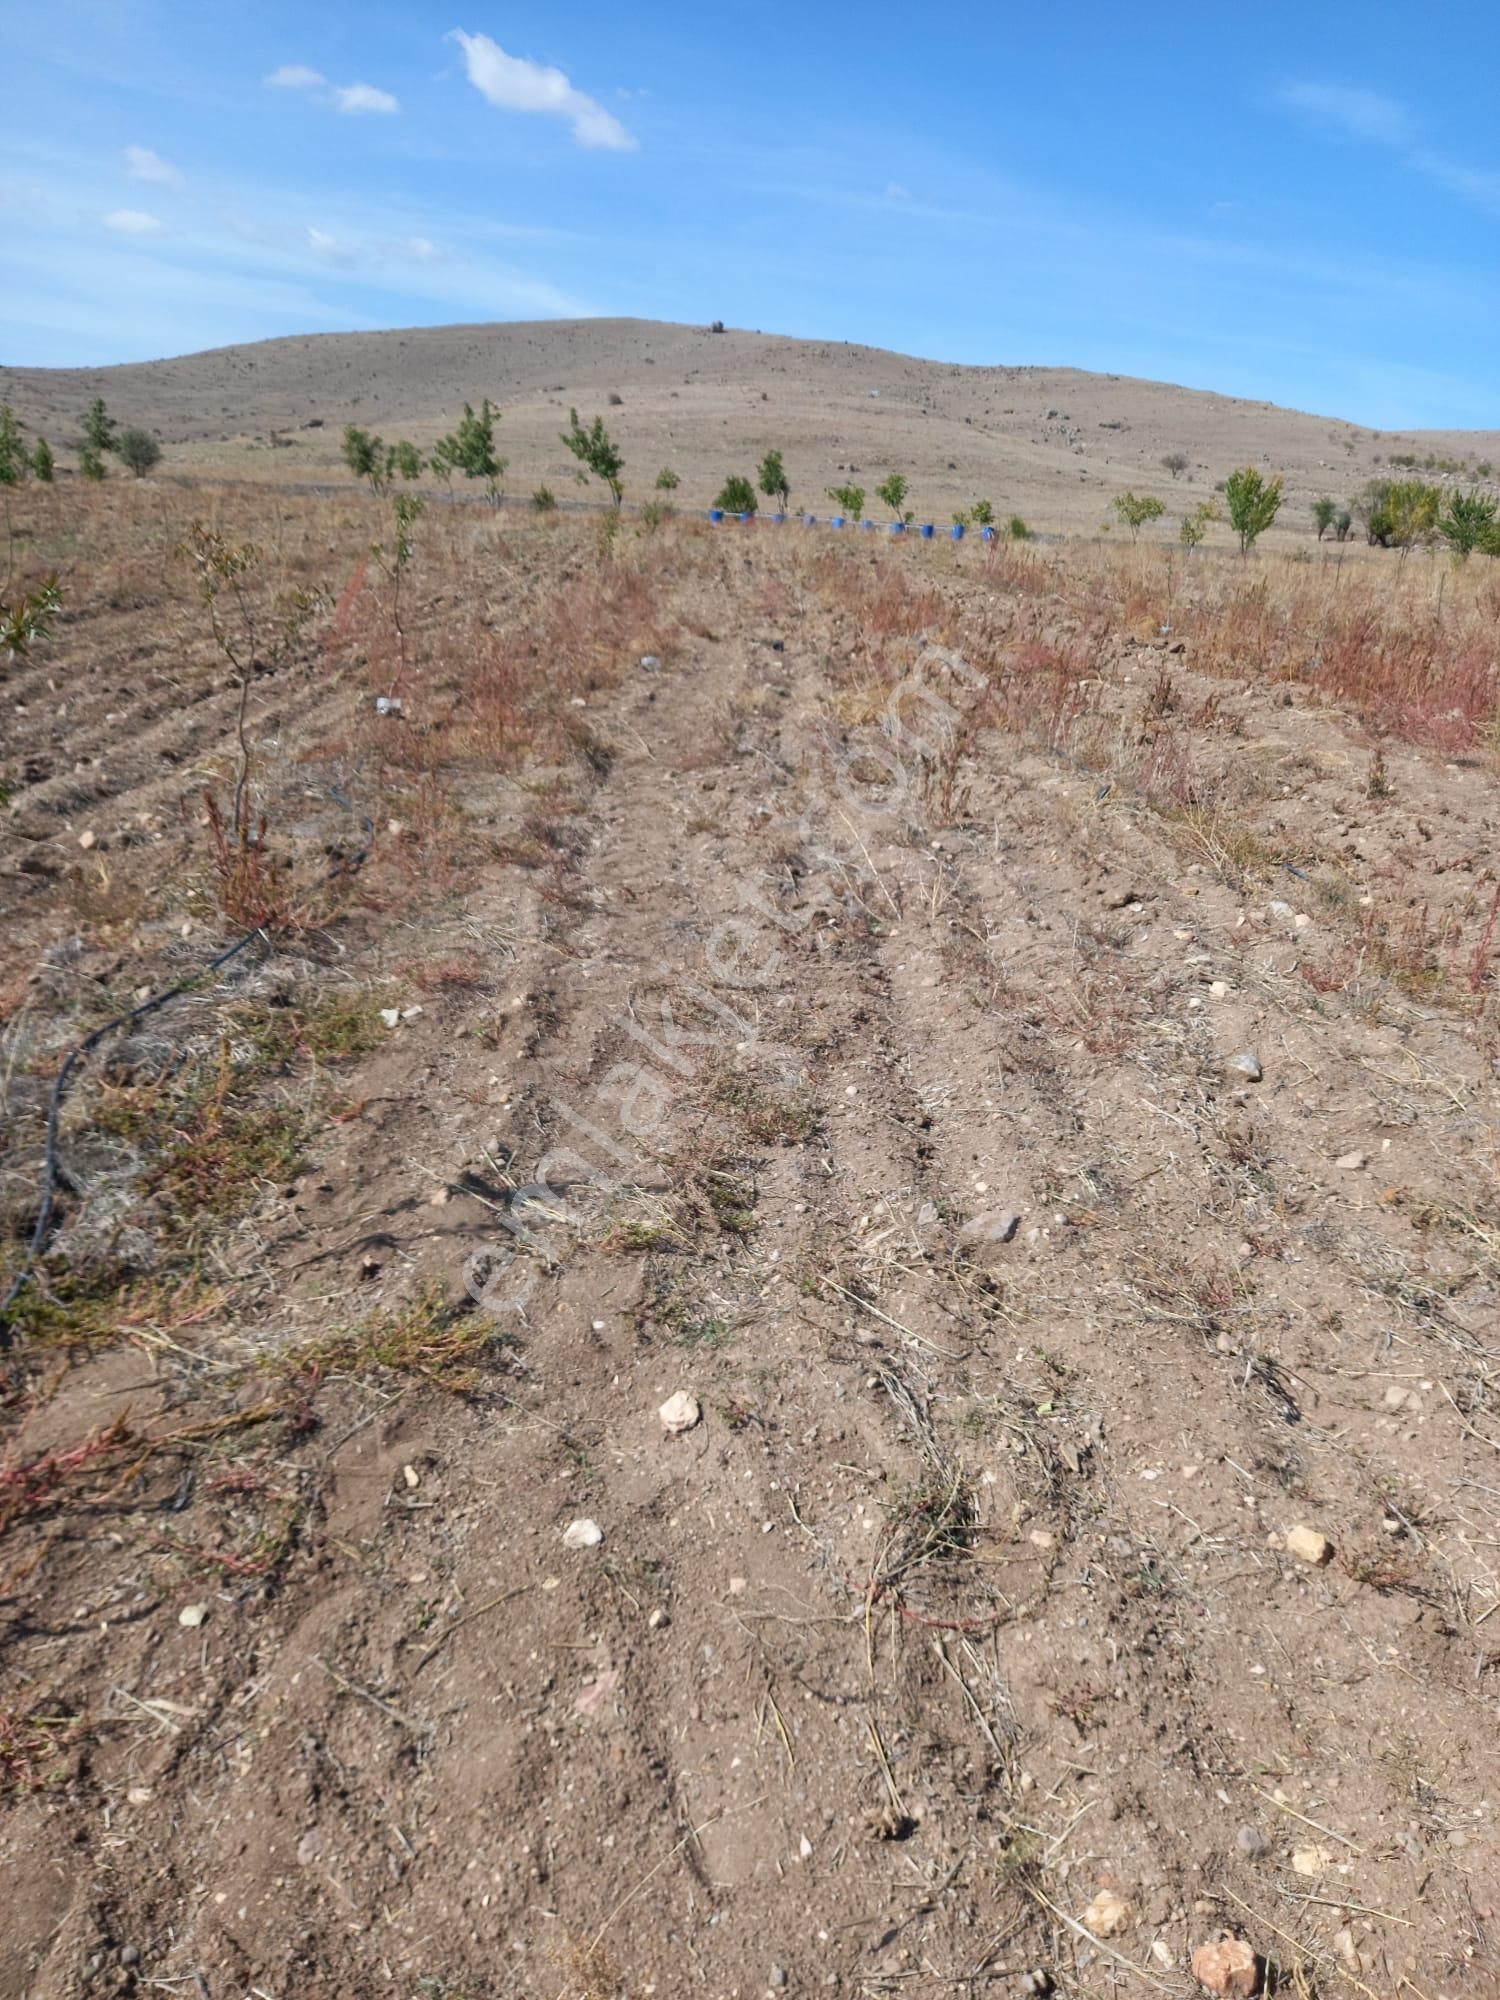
x=1286 y=202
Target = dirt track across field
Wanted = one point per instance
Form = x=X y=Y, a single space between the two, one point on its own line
x=1080 y=1258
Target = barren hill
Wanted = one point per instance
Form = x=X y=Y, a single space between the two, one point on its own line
x=1053 y=443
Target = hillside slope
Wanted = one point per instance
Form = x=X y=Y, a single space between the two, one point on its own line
x=1054 y=443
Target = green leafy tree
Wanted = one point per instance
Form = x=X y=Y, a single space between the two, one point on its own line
x=1017 y=530
x=42 y=463
x=471 y=449
x=544 y=500
x=1196 y=525
x=14 y=463
x=29 y=618
x=893 y=492
x=667 y=480
x=1176 y=462
x=849 y=500
x=407 y=460
x=1412 y=508
x=598 y=453
x=1323 y=513
x=982 y=514
x=737 y=495
x=1471 y=522
x=98 y=429
x=1136 y=510
x=90 y=462
x=440 y=459
x=1253 y=502
x=773 y=480
x=1343 y=521
x=138 y=450
x=366 y=457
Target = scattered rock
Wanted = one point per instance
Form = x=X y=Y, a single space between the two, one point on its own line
x=582 y=1534
x=997 y=1225
x=1311 y=1860
x=1229 y=1968
x=1108 y=1914
x=411 y=1475
x=1247 y=1065
x=1350 y=1163
x=805 y=1848
x=1041 y=1538
x=649 y=663
x=1252 y=1843
x=86 y=840
x=1037 y=1981
x=390 y=1015
x=130 y=1954
x=738 y=1586
x=658 y=1618
x=1282 y=912
x=1310 y=1546
x=600 y=1688
x=1220 y=989
x=778 y=1977
x=192 y=1615
x=1161 y=1951
x=309 y=1847
x=680 y=1412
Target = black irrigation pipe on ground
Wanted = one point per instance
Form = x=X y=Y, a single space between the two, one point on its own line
x=51 y=1169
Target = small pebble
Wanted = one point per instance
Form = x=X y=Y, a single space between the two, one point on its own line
x=1247 y=1065
x=1252 y=1843
x=1309 y=1545
x=582 y=1534
x=680 y=1412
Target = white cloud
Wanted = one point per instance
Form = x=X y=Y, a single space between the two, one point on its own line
x=132 y=222
x=1362 y=114
x=511 y=83
x=1381 y=121
x=357 y=97
x=422 y=248
x=143 y=165
x=328 y=249
x=294 y=76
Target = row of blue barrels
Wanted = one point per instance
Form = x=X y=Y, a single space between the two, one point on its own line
x=926 y=530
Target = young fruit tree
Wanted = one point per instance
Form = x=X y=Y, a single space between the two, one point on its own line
x=1470 y=523
x=1136 y=510
x=471 y=448
x=597 y=452
x=1323 y=513
x=849 y=500
x=366 y=457
x=1176 y=462
x=893 y=492
x=1253 y=502
x=773 y=480
x=15 y=463
x=41 y=462
x=667 y=480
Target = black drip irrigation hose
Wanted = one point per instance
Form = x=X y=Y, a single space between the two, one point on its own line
x=51 y=1168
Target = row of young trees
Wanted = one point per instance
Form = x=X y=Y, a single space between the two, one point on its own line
x=102 y=438
x=1252 y=502
x=1405 y=513
x=469 y=450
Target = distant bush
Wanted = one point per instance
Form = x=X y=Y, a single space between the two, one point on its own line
x=1470 y=523
x=1399 y=513
x=1017 y=529
x=615 y=399
x=849 y=500
x=138 y=450
x=982 y=514
x=1195 y=526
x=14 y=462
x=1323 y=512
x=1343 y=521
x=737 y=495
x=407 y=460
x=544 y=500
x=41 y=462
x=366 y=457
x=1176 y=462
x=667 y=480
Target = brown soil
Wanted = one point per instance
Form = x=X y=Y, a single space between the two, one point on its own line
x=910 y=890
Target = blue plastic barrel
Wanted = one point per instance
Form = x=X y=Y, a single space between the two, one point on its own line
x=742 y=517
x=716 y=513
x=809 y=520
x=898 y=527
x=986 y=534
x=956 y=532
x=777 y=519
x=926 y=531
x=868 y=526
x=837 y=521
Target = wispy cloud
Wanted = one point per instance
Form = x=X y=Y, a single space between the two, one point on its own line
x=295 y=76
x=1381 y=121
x=328 y=249
x=1360 y=114
x=133 y=222
x=355 y=98
x=512 y=83
x=143 y=165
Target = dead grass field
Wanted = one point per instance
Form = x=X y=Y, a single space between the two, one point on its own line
x=1012 y=1032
